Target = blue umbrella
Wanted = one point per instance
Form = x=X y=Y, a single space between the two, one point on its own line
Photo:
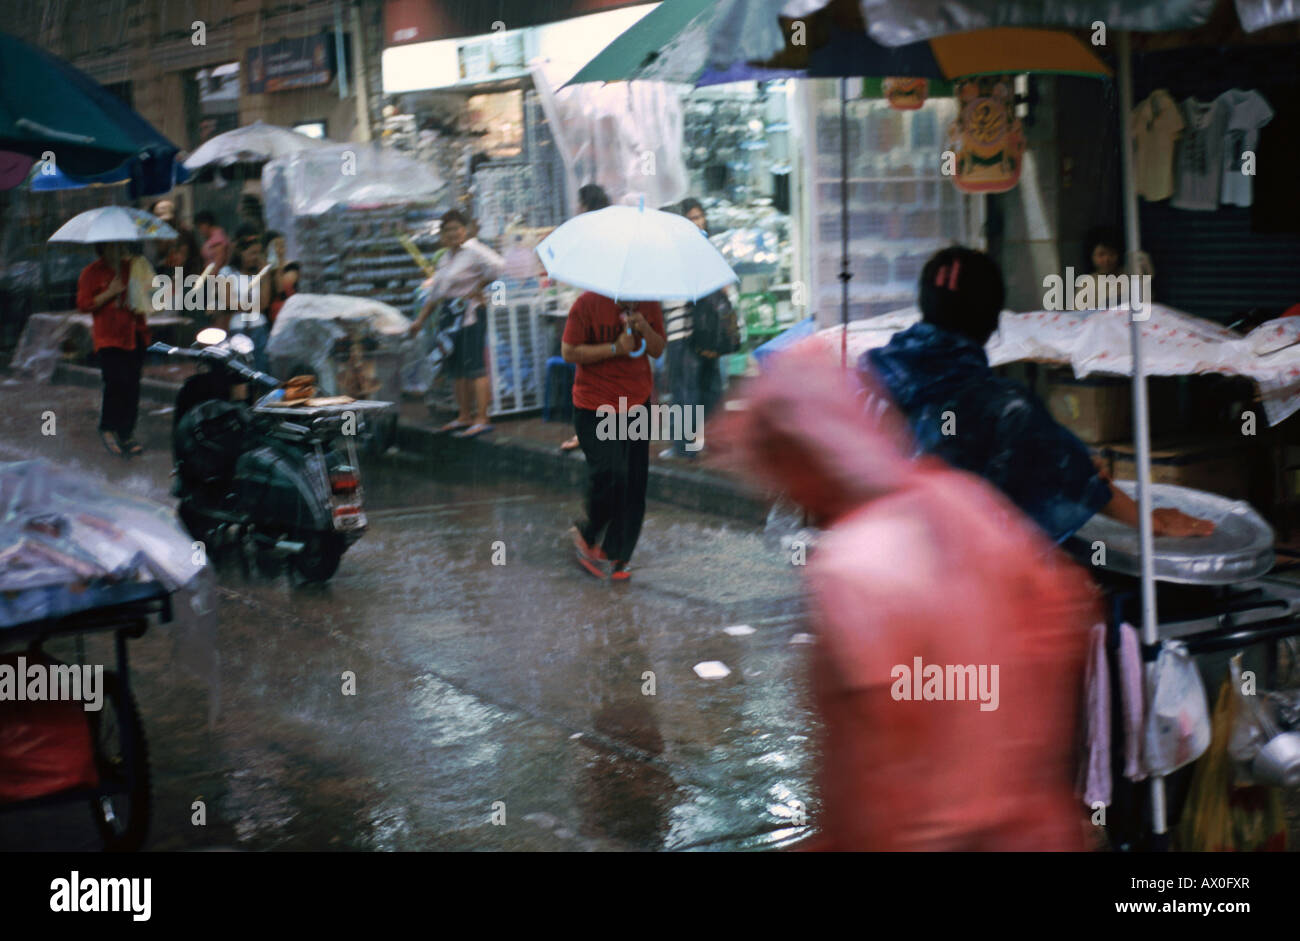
x=129 y=172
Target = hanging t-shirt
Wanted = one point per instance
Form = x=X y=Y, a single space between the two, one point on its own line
x=1199 y=158
x=1155 y=125
x=1247 y=113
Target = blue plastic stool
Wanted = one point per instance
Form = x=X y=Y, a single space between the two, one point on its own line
x=559 y=374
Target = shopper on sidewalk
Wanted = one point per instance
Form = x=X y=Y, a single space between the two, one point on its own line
x=695 y=357
x=464 y=271
x=590 y=198
x=120 y=336
x=599 y=337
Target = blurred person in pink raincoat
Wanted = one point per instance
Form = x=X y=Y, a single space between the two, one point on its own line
x=922 y=568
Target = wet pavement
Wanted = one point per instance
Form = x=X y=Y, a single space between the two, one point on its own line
x=524 y=683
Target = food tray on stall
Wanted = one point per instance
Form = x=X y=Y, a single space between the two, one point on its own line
x=367 y=410
x=1240 y=548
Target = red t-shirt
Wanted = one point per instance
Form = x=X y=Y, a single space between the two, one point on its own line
x=114 y=325
x=595 y=319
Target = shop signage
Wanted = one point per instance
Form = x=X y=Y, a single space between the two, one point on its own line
x=987 y=138
x=290 y=63
x=905 y=94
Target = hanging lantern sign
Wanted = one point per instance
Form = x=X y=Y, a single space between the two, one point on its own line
x=905 y=94
x=987 y=137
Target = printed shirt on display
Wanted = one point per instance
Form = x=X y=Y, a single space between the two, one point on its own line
x=1247 y=112
x=596 y=319
x=1155 y=126
x=1200 y=155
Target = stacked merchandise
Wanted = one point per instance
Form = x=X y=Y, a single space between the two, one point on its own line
x=356 y=250
x=433 y=144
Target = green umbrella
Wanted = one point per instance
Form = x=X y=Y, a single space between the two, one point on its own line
x=46 y=105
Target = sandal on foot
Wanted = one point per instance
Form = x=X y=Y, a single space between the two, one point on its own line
x=111 y=444
x=473 y=431
x=453 y=426
x=132 y=447
x=569 y=444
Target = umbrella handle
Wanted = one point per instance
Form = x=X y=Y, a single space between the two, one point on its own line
x=641 y=351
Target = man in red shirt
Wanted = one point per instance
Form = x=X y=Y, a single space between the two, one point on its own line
x=120 y=336
x=599 y=336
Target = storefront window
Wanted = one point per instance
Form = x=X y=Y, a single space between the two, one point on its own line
x=901 y=209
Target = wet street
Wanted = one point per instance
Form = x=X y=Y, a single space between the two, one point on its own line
x=497 y=706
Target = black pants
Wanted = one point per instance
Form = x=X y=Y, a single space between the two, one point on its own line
x=120 y=370
x=617 y=472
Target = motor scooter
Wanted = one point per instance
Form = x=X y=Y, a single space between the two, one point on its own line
x=285 y=482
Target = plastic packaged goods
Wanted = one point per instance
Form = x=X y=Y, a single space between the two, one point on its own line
x=69 y=543
x=310 y=326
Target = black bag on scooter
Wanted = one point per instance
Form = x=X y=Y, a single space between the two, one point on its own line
x=209 y=439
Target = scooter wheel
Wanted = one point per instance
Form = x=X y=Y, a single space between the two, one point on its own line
x=320 y=559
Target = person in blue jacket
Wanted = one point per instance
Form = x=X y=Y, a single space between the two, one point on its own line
x=938 y=375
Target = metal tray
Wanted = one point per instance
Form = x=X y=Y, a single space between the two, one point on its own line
x=1240 y=548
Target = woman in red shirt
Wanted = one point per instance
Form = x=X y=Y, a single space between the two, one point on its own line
x=120 y=336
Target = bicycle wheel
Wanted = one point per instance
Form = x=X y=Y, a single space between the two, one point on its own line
x=122 y=818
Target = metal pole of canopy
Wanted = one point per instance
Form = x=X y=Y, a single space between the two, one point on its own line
x=845 y=274
x=1141 y=414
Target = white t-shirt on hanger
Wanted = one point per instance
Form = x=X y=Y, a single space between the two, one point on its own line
x=1247 y=111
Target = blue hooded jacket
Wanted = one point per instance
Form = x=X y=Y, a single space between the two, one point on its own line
x=998 y=429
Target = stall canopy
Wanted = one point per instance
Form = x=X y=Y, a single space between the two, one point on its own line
x=47 y=106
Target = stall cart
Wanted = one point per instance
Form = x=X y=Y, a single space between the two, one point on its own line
x=77 y=558
x=119 y=798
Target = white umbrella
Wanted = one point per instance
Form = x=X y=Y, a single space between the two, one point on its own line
x=253 y=143
x=113 y=224
x=635 y=254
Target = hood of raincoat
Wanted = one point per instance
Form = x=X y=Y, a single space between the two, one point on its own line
x=924 y=363
x=805 y=428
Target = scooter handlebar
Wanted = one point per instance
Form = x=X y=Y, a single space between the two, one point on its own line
x=224 y=358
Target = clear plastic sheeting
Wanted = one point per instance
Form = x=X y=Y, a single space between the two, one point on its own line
x=1261 y=14
x=625 y=136
x=313 y=181
x=46 y=339
x=1097 y=342
x=899 y=22
x=310 y=325
x=70 y=544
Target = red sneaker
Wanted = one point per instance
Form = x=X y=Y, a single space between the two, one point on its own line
x=620 y=573
x=592 y=558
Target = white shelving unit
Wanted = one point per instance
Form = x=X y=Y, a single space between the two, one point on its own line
x=901 y=208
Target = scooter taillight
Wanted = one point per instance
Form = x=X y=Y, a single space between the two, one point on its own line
x=344 y=480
